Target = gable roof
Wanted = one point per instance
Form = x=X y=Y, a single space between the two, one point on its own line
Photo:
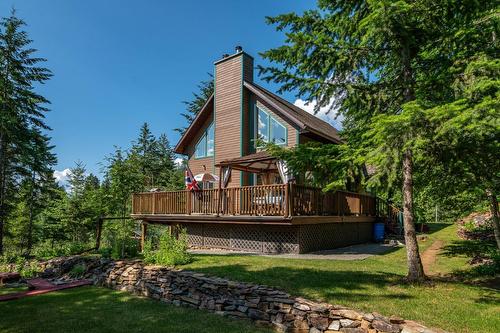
x=195 y=125
x=301 y=118
x=305 y=121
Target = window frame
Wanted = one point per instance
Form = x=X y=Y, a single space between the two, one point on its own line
x=204 y=140
x=270 y=119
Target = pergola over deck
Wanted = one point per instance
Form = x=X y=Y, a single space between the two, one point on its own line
x=259 y=162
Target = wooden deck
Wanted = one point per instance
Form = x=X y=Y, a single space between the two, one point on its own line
x=266 y=204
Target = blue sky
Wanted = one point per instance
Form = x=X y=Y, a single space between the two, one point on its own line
x=118 y=64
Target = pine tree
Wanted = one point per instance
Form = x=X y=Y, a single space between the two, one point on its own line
x=164 y=164
x=144 y=149
x=39 y=179
x=199 y=99
x=22 y=109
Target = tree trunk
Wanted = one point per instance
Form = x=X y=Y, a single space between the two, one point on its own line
x=494 y=215
x=415 y=269
x=2 y=189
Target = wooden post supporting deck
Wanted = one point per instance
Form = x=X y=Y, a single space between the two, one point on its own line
x=144 y=230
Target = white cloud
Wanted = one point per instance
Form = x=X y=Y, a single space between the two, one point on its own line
x=62 y=176
x=178 y=161
x=330 y=117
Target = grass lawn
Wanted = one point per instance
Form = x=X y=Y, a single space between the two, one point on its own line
x=10 y=290
x=92 y=309
x=374 y=284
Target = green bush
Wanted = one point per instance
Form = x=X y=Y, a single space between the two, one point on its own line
x=105 y=252
x=124 y=248
x=26 y=268
x=171 y=251
x=77 y=271
x=48 y=250
x=490 y=265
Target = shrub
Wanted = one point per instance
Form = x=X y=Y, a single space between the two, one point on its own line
x=487 y=264
x=26 y=268
x=119 y=238
x=48 y=250
x=123 y=248
x=77 y=271
x=105 y=252
x=171 y=251
x=476 y=226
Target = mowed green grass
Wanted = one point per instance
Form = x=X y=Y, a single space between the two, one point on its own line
x=92 y=309
x=374 y=284
x=10 y=290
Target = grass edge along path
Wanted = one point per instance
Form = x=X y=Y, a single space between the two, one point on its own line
x=373 y=284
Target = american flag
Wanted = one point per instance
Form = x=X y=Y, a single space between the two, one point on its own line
x=191 y=183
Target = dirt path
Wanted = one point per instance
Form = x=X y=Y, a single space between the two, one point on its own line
x=429 y=256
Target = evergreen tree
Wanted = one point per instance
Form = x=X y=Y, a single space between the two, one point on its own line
x=39 y=179
x=377 y=59
x=144 y=150
x=199 y=99
x=164 y=164
x=84 y=206
x=54 y=218
x=22 y=109
x=465 y=135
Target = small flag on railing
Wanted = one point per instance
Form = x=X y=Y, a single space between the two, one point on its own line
x=191 y=183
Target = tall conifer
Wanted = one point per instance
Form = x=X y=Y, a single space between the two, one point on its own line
x=22 y=109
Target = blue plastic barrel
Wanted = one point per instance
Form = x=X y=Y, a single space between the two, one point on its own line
x=378 y=232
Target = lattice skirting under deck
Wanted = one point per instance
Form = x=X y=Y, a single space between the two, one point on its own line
x=277 y=239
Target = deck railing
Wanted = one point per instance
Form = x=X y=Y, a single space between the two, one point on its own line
x=308 y=200
x=262 y=200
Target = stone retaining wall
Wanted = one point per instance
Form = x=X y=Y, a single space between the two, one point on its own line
x=262 y=304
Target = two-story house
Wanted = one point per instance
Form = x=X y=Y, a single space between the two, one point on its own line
x=254 y=206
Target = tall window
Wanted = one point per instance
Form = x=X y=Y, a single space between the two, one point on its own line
x=277 y=132
x=263 y=122
x=205 y=146
x=269 y=129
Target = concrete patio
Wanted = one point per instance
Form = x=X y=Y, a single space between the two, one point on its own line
x=353 y=252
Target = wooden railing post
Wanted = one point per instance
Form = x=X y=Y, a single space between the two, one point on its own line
x=287 y=200
x=153 y=208
x=188 y=202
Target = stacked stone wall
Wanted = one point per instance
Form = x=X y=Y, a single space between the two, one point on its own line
x=262 y=304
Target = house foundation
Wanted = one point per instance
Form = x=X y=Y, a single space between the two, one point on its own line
x=262 y=238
